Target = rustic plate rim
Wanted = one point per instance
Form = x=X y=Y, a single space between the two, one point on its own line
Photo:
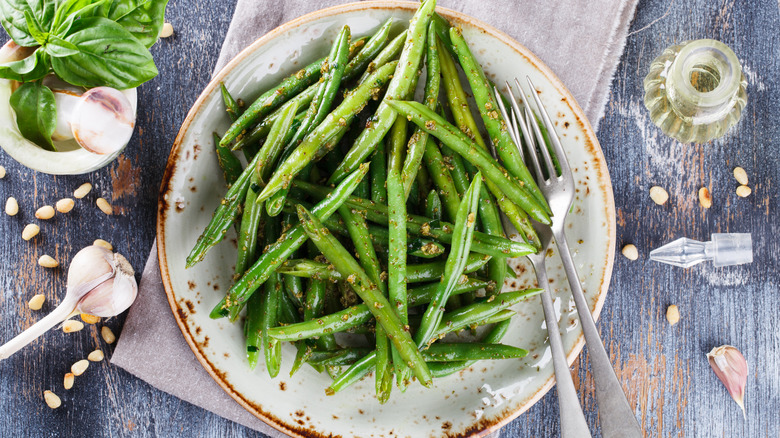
x=163 y=205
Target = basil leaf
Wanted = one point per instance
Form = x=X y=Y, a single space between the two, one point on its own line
x=69 y=10
x=36 y=113
x=58 y=47
x=32 y=68
x=34 y=28
x=143 y=18
x=107 y=55
x=12 y=18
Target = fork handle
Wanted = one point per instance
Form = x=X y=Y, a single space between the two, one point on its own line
x=616 y=416
x=573 y=422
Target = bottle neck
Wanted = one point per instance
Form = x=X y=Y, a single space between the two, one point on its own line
x=703 y=81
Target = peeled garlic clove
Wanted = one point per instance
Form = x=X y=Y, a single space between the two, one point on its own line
x=103 y=120
x=731 y=368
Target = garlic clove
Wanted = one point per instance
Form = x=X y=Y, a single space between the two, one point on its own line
x=89 y=264
x=731 y=368
x=113 y=296
x=103 y=121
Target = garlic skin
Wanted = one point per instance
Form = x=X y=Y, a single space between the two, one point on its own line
x=114 y=295
x=731 y=368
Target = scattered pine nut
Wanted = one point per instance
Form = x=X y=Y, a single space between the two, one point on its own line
x=79 y=367
x=630 y=252
x=672 y=314
x=741 y=176
x=2 y=172
x=95 y=356
x=65 y=205
x=36 y=302
x=90 y=319
x=167 y=30
x=67 y=382
x=658 y=195
x=48 y=261
x=11 y=206
x=104 y=206
x=107 y=335
x=30 y=231
x=103 y=244
x=82 y=191
x=744 y=191
x=705 y=199
x=51 y=399
x=71 y=326
x=45 y=213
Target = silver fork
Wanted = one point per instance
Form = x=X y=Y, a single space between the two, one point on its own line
x=616 y=416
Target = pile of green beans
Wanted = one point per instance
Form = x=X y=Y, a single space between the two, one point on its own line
x=350 y=219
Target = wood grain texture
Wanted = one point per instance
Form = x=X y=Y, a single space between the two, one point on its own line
x=664 y=370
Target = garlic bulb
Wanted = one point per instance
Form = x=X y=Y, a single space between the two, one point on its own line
x=100 y=283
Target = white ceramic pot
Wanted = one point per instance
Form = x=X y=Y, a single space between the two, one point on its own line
x=70 y=159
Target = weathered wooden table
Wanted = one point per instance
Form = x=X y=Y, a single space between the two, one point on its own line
x=664 y=369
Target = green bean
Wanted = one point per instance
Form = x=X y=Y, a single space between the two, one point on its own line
x=314 y=307
x=372 y=48
x=494 y=123
x=354 y=316
x=232 y=107
x=440 y=352
x=421 y=226
x=403 y=84
x=415 y=273
x=363 y=189
x=271 y=99
x=379 y=174
x=460 y=143
x=422 y=248
x=272 y=147
x=389 y=53
x=342 y=357
x=480 y=311
x=433 y=208
x=230 y=165
x=465 y=223
x=278 y=252
x=334 y=123
x=443 y=369
x=302 y=100
x=253 y=329
x=367 y=291
x=418 y=141
x=441 y=177
x=223 y=217
x=272 y=349
x=355 y=373
x=358 y=231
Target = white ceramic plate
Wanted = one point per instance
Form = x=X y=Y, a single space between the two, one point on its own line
x=475 y=401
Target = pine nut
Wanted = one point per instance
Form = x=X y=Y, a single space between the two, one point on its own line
x=104 y=206
x=79 y=367
x=2 y=172
x=45 y=213
x=744 y=191
x=630 y=252
x=36 y=302
x=167 y=30
x=90 y=319
x=67 y=382
x=672 y=314
x=71 y=326
x=741 y=176
x=30 y=231
x=11 y=206
x=48 y=261
x=82 y=191
x=51 y=399
x=659 y=195
x=65 y=205
x=95 y=356
x=107 y=335
x=103 y=244
x=705 y=199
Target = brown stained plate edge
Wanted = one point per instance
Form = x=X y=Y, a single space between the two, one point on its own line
x=599 y=163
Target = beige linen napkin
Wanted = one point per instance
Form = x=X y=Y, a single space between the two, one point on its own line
x=581 y=40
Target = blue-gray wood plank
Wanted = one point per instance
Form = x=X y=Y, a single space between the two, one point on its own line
x=664 y=369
